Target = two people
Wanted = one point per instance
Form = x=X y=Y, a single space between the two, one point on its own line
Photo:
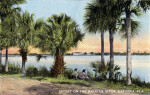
x=82 y=76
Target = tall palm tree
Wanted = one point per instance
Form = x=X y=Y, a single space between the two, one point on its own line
x=24 y=36
x=5 y=9
x=0 y=49
x=102 y=15
x=95 y=22
x=113 y=18
x=58 y=35
x=9 y=33
x=130 y=7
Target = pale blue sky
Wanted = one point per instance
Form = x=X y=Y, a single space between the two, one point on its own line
x=46 y=8
x=75 y=9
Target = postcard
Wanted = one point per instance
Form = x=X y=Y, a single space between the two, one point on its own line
x=74 y=47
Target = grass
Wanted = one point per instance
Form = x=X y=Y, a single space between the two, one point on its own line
x=42 y=74
x=94 y=84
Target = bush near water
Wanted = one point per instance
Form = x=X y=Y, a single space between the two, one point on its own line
x=99 y=75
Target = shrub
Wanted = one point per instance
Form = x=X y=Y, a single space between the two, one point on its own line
x=137 y=81
x=13 y=68
x=123 y=80
x=68 y=73
x=2 y=69
x=31 y=71
x=43 y=72
x=103 y=70
x=113 y=71
x=90 y=75
x=100 y=70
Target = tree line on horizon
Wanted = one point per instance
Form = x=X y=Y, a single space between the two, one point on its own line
x=59 y=33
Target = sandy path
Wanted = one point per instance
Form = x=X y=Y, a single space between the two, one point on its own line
x=18 y=86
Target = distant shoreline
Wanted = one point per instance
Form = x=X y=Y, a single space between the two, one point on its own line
x=87 y=55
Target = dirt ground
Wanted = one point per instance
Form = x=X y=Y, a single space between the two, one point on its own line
x=18 y=86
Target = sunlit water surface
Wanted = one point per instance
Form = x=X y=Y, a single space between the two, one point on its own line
x=140 y=63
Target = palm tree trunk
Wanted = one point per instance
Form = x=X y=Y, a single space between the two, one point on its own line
x=128 y=62
x=102 y=49
x=111 y=39
x=0 y=60
x=58 y=68
x=24 y=59
x=6 y=61
x=2 y=19
x=23 y=73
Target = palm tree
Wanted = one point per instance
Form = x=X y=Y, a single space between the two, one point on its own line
x=0 y=50
x=135 y=28
x=95 y=22
x=5 y=9
x=8 y=35
x=113 y=20
x=130 y=7
x=102 y=15
x=113 y=17
x=25 y=31
x=58 y=35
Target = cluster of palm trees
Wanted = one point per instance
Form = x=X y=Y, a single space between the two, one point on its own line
x=56 y=35
x=60 y=33
x=7 y=13
x=115 y=16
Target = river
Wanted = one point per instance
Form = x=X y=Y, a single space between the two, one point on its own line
x=140 y=63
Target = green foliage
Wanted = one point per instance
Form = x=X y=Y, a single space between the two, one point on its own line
x=90 y=75
x=59 y=34
x=68 y=73
x=102 y=15
x=7 y=5
x=14 y=69
x=92 y=22
x=94 y=84
x=9 y=28
x=102 y=71
x=114 y=69
x=139 y=82
x=2 y=68
x=135 y=28
x=31 y=71
x=24 y=35
x=25 y=31
x=43 y=72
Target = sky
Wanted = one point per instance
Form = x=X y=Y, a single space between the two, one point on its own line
x=91 y=42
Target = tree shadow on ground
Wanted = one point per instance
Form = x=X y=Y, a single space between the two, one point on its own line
x=51 y=89
x=77 y=83
x=59 y=89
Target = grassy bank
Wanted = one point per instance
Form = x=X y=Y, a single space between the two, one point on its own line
x=43 y=74
x=94 y=84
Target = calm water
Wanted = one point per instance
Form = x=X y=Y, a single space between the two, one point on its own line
x=140 y=63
